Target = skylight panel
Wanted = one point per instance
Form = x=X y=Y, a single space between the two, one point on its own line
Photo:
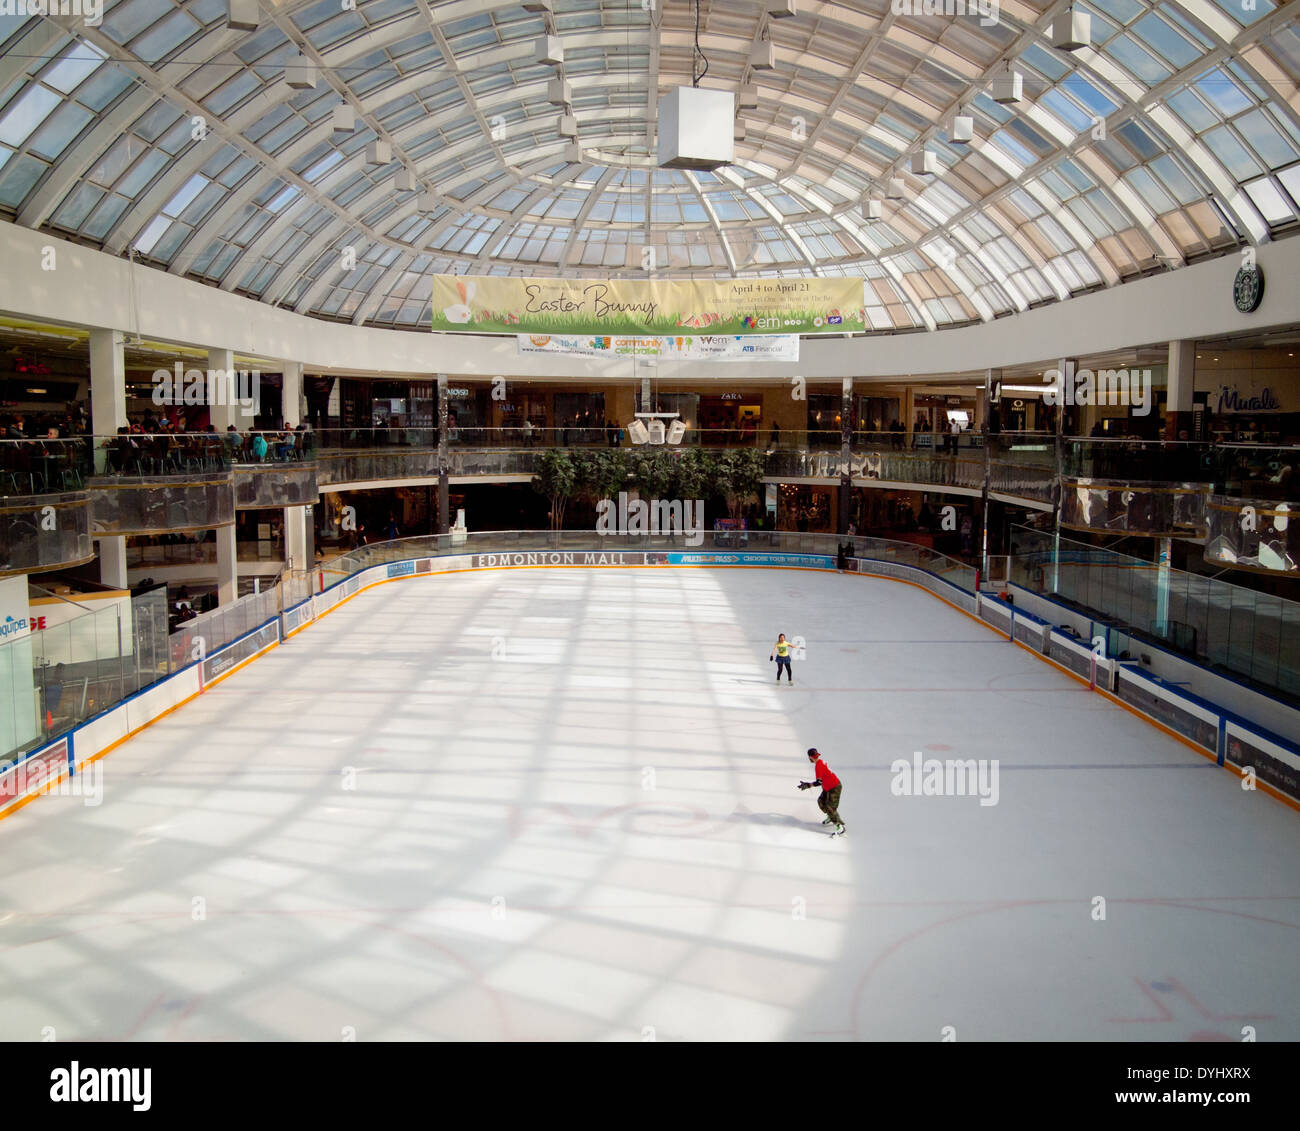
x=28 y=111
x=78 y=63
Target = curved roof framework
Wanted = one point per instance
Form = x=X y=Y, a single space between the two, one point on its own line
x=166 y=134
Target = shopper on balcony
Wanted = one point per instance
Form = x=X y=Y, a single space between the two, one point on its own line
x=259 y=447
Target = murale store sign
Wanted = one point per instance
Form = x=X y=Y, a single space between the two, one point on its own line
x=1233 y=398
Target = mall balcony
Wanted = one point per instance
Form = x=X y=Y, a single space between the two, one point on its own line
x=45 y=513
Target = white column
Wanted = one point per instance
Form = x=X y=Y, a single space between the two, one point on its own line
x=107 y=415
x=223 y=413
x=107 y=388
x=227 y=566
x=1181 y=386
x=295 y=538
x=112 y=562
x=291 y=396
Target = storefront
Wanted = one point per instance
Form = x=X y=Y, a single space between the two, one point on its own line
x=809 y=510
x=877 y=414
x=729 y=418
x=580 y=418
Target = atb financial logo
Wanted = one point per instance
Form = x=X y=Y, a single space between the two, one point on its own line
x=179 y=386
x=656 y=516
x=1129 y=387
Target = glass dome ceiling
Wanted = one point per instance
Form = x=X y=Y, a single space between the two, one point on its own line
x=164 y=134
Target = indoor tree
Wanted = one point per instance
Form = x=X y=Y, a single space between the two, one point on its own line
x=557 y=479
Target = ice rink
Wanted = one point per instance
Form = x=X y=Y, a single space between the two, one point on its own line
x=561 y=804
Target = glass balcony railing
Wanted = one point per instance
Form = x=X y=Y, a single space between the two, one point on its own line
x=47 y=531
x=1225 y=626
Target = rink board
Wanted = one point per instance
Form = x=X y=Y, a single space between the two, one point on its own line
x=1230 y=740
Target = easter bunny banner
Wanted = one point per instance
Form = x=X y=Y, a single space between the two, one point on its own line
x=668 y=307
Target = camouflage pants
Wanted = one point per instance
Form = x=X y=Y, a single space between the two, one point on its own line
x=829 y=803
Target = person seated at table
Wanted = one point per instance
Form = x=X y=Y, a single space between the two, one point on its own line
x=234 y=443
x=121 y=448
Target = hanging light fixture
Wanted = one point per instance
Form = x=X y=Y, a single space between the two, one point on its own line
x=343 y=119
x=242 y=15
x=1071 y=30
x=549 y=50
x=300 y=73
x=1008 y=87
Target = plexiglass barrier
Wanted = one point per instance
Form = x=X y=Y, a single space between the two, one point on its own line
x=1225 y=626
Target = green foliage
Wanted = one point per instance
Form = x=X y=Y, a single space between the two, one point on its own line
x=557 y=479
x=739 y=477
x=696 y=472
x=602 y=473
x=653 y=473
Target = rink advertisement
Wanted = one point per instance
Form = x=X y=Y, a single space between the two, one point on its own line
x=37 y=773
x=648 y=307
x=648 y=557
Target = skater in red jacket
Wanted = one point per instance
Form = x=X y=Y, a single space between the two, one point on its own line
x=829 y=799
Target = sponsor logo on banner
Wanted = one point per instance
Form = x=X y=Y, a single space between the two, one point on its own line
x=817 y=561
x=542 y=308
x=11 y=628
x=712 y=347
x=400 y=569
x=638 y=557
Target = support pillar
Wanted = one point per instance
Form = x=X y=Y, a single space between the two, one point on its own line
x=295 y=538
x=991 y=378
x=846 y=455
x=107 y=415
x=1066 y=370
x=1181 y=384
x=227 y=566
x=444 y=492
x=221 y=411
x=107 y=389
x=291 y=394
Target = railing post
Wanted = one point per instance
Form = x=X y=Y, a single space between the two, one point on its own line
x=988 y=471
x=1066 y=371
x=846 y=455
x=444 y=493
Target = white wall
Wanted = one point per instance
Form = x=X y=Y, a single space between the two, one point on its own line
x=91 y=289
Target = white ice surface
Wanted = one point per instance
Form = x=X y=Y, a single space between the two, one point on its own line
x=575 y=816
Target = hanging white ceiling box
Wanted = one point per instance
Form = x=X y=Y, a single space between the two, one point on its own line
x=696 y=128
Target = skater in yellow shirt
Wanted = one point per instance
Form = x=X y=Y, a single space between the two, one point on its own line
x=781 y=654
